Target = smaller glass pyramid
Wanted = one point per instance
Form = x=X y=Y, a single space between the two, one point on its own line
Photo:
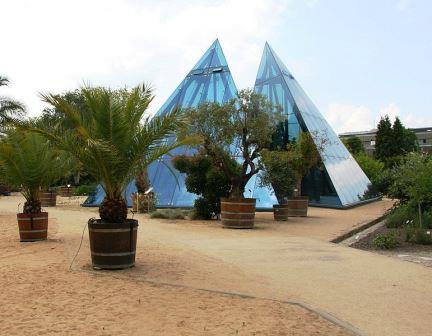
x=342 y=183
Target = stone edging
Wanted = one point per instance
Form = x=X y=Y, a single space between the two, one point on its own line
x=356 y=230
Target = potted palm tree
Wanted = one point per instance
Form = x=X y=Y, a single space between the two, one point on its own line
x=279 y=175
x=110 y=139
x=233 y=135
x=28 y=162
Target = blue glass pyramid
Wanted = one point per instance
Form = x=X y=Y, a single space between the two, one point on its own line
x=209 y=80
x=342 y=182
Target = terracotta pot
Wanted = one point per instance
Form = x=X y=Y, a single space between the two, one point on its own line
x=238 y=213
x=280 y=212
x=298 y=206
x=113 y=245
x=33 y=227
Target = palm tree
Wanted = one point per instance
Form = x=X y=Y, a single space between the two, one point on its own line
x=28 y=162
x=9 y=108
x=111 y=141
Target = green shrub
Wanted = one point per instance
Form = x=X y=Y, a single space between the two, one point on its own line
x=418 y=236
x=400 y=216
x=385 y=241
x=85 y=190
x=169 y=214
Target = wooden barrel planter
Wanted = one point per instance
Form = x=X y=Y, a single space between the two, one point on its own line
x=66 y=191
x=48 y=198
x=238 y=213
x=280 y=212
x=33 y=227
x=298 y=206
x=113 y=245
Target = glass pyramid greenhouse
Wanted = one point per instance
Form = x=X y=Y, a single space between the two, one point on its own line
x=209 y=80
x=339 y=183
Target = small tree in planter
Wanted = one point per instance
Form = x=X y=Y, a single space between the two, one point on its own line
x=114 y=146
x=28 y=162
x=240 y=128
x=279 y=175
x=304 y=155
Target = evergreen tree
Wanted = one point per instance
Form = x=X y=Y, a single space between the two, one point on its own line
x=392 y=143
x=384 y=139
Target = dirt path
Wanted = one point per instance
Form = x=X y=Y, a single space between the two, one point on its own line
x=40 y=296
x=377 y=294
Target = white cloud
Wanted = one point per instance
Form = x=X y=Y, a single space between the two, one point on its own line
x=56 y=45
x=351 y=118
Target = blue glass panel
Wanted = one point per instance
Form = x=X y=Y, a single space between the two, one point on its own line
x=343 y=182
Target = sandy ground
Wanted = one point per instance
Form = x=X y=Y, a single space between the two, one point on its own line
x=277 y=260
x=41 y=296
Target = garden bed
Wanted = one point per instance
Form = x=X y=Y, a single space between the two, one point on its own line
x=417 y=253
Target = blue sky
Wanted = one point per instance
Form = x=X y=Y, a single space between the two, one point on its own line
x=357 y=60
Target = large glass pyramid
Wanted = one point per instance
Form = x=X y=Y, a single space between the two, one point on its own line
x=209 y=80
x=341 y=182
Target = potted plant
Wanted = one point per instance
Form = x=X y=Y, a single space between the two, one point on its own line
x=143 y=201
x=28 y=162
x=113 y=143
x=304 y=155
x=279 y=175
x=238 y=129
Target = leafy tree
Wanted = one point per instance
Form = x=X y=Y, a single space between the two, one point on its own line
x=109 y=139
x=28 y=162
x=371 y=167
x=354 y=145
x=9 y=108
x=413 y=181
x=205 y=179
x=239 y=128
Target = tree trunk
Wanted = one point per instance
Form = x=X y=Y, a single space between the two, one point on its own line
x=237 y=190
x=297 y=190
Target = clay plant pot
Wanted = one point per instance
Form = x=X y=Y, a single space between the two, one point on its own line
x=33 y=227
x=238 y=213
x=48 y=198
x=113 y=245
x=66 y=191
x=298 y=206
x=280 y=212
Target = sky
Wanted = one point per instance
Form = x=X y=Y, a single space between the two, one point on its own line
x=356 y=59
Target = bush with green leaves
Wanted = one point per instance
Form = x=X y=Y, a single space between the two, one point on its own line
x=85 y=190
x=401 y=215
x=371 y=167
x=204 y=179
x=385 y=241
x=418 y=235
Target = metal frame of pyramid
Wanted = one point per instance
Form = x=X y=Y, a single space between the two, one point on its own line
x=342 y=183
